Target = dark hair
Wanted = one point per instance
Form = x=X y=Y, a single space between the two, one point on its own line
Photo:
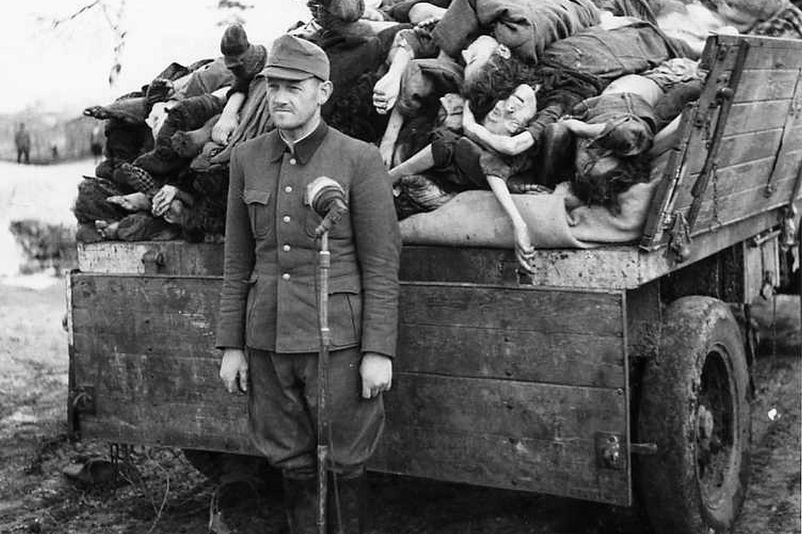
x=621 y=141
x=602 y=188
x=496 y=81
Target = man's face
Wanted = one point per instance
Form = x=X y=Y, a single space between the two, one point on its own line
x=511 y=115
x=478 y=54
x=294 y=103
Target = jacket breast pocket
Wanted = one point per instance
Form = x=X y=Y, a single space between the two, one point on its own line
x=258 y=203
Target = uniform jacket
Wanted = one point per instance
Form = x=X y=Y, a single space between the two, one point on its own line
x=269 y=288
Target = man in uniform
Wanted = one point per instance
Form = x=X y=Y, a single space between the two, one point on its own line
x=268 y=319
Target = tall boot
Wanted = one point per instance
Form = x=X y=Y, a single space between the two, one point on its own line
x=352 y=493
x=300 y=501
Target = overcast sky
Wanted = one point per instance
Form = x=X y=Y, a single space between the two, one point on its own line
x=67 y=68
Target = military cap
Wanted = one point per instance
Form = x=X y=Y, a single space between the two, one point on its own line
x=293 y=58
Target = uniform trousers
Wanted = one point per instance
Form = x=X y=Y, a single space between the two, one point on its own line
x=282 y=411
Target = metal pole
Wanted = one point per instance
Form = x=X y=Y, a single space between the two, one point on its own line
x=324 y=263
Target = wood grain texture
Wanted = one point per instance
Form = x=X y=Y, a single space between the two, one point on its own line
x=505 y=407
x=508 y=354
x=769 y=84
x=542 y=310
x=567 y=468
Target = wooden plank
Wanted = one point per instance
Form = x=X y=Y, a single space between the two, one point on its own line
x=179 y=257
x=756 y=116
x=764 y=52
x=505 y=407
x=740 y=177
x=760 y=85
x=565 y=468
x=223 y=427
x=542 y=310
x=736 y=149
x=507 y=354
x=742 y=205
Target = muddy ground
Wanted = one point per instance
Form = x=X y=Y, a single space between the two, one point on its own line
x=162 y=493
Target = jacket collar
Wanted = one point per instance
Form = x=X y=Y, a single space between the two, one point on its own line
x=303 y=149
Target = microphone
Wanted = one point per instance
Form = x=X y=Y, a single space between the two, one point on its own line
x=327 y=198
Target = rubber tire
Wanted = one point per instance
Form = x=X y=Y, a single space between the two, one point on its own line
x=696 y=331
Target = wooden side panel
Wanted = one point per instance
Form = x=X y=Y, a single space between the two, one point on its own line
x=763 y=117
x=518 y=409
x=497 y=386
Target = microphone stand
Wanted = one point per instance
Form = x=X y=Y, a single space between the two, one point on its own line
x=324 y=264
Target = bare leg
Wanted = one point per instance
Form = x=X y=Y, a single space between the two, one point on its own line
x=420 y=162
x=131 y=202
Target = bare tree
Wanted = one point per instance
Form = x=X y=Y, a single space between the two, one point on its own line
x=113 y=12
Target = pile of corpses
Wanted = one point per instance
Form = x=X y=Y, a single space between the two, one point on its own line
x=515 y=96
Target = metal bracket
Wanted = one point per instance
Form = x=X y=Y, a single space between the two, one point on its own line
x=609 y=453
x=82 y=400
x=680 y=238
x=152 y=260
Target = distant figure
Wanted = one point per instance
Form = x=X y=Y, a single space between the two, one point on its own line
x=96 y=143
x=54 y=151
x=23 y=141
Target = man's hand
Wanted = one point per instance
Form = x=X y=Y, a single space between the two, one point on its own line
x=234 y=370
x=377 y=374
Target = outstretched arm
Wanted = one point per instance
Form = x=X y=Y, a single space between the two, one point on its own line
x=387 y=146
x=524 y=251
x=583 y=129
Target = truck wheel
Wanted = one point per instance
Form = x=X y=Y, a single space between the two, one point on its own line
x=694 y=407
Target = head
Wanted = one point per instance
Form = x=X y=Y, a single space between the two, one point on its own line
x=600 y=176
x=297 y=84
x=479 y=52
x=628 y=136
x=509 y=116
x=242 y=58
x=500 y=77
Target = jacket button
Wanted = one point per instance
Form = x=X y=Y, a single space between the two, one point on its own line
x=292 y=161
x=286 y=276
x=286 y=219
x=288 y=189
x=286 y=248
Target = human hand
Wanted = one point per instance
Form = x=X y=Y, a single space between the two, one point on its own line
x=376 y=371
x=524 y=251
x=224 y=127
x=234 y=370
x=385 y=92
x=163 y=199
x=175 y=213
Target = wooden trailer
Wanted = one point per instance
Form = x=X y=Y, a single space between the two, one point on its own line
x=607 y=371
